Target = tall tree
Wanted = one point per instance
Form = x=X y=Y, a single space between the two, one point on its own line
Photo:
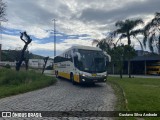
x=26 y=59
x=45 y=62
x=126 y=29
x=27 y=40
x=2 y=18
x=117 y=55
x=2 y=11
x=152 y=33
x=104 y=44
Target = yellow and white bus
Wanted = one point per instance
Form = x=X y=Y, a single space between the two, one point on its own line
x=82 y=64
x=154 y=68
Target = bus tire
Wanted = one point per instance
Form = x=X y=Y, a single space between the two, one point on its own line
x=72 y=79
x=56 y=74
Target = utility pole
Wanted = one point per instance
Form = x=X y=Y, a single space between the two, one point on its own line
x=0 y=41
x=0 y=31
x=54 y=20
x=54 y=37
x=0 y=52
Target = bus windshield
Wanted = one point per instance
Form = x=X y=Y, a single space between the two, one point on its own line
x=91 y=61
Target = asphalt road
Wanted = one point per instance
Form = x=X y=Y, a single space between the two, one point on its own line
x=63 y=96
x=138 y=76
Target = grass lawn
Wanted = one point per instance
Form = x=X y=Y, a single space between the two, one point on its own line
x=142 y=94
x=13 y=82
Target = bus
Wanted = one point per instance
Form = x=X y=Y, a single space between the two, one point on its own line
x=82 y=64
x=154 y=68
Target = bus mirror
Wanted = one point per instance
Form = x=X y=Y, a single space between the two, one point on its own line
x=106 y=63
x=108 y=56
x=79 y=57
x=76 y=54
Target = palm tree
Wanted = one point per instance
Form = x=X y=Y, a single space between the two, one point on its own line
x=104 y=44
x=152 y=33
x=126 y=30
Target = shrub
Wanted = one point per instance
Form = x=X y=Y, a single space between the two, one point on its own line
x=49 y=67
x=7 y=66
x=13 y=82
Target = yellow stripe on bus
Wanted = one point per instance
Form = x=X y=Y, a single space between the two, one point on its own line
x=64 y=75
x=76 y=78
x=67 y=76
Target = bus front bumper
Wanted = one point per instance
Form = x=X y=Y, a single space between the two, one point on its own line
x=84 y=79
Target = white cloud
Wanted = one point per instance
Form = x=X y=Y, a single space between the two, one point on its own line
x=11 y=42
x=14 y=42
x=59 y=46
x=74 y=17
x=36 y=16
x=38 y=32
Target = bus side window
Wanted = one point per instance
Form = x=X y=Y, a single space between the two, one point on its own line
x=76 y=61
x=70 y=59
x=70 y=56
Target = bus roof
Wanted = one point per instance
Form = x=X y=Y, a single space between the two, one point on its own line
x=85 y=47
x=81 y=47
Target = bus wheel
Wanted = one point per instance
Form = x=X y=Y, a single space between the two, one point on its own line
x=56 y=74
x=72 y=79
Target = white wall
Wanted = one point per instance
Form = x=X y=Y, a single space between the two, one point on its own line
x=35 y=63
x=38 y=63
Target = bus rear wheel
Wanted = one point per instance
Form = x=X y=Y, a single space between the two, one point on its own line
x=72 y=79
x=56 y=73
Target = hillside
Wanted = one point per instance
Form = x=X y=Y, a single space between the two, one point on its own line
x=12 y=55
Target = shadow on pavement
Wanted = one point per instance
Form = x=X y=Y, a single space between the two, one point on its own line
x=83 y=85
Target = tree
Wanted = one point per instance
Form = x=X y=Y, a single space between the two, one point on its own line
x=121 y=53
x=117 y=55
x=2 y=11
x=26 y=59
x=129 y=52
x=45 y=62
x=27 y=40
x=126 y=30
x=152 y=33
x=2 y=17
x=104 y=44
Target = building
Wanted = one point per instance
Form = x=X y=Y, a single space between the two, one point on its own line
x=3 y=63
x=142 y=53
x=38 y=63
x=33 y=63
x=138 y=65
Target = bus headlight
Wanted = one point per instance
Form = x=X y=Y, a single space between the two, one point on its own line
x=83 y=75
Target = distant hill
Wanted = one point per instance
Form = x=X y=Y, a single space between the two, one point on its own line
x=12 y=55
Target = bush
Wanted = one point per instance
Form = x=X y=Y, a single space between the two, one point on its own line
x=7 y=66
x=49 y=67
x=13 y=82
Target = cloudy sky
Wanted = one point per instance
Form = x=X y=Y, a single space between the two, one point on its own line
x=77 y=21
